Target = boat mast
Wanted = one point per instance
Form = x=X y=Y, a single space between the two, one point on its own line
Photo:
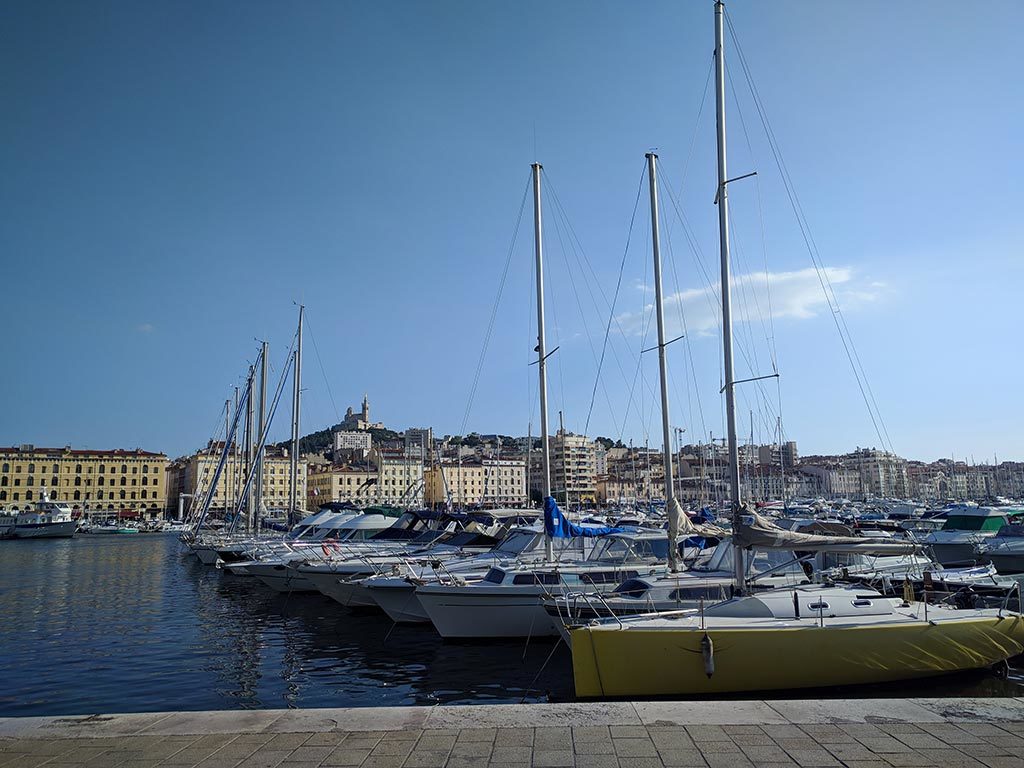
x=723 y=239
x=250 y=418
x=227 y=447
x=659 y=309
x=542 y=371
x=261 y=451
x=293 y=500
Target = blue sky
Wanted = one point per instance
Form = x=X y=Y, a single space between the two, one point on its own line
x=176 y=175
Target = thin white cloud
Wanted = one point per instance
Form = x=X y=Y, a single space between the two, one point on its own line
x=797 y=294
x=145 y=328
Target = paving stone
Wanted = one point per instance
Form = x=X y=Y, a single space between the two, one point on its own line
x=553 y=739
x=1001 y=761
x=346 y=755
x=594 y=747
x=738 y=760
x=477 y=749
x=628 y=731
x=435 y=742
x=599 y=761
x=514 y=737
x=949 y=758
x=765 y=754
x=812 y=757
x=325 y=739
x=634 y=747
x=883 y=744
x=386 y=747
x=720 y=748
x=951 y=734
x=901 y=759
x=552 y=758
x=384 y=761
x=854 y=751
x=704 y=733
x=426 y=759
x=310 y=753
x=477 y=734
x=922 y=740
x=681 y=759
x=511 y=754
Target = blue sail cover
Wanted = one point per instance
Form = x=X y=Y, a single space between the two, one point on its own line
x=557 y=525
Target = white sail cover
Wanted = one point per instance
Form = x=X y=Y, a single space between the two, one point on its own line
x=758 y=531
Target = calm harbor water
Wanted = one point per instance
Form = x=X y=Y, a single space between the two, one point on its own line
x=130 y=624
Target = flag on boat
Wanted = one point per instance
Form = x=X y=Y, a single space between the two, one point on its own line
x=558 y=526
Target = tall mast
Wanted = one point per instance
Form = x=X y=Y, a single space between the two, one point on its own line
x=293 y=500
x=249 y=418
x=723 y=238
x=261 y=451
x=542 y=371
x=227 y=449
x=670 y=508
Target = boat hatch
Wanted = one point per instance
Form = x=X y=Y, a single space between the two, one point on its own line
x=536 y=578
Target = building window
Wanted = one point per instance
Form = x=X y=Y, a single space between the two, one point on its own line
x=135 y=470
x=102 y=469
x=133 y=494
x=31 y=467
x=145 y=469
x=3 y=480
x=124 y=481
x=78 y=495
x=28 y=495
x=124 y=469
x=122 y=494
x=143 y=493
x=31 y=480
x=99 y=481
x=78 y=480
x=53 y=481
x=16 y=497
x=6 y=467
x=78 y=468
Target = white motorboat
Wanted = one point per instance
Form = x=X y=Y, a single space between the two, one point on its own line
x=47 y=520
x=964 y=532
x=506 y=602
x=1005 y=550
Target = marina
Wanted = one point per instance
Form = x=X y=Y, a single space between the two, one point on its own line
x=634 y=566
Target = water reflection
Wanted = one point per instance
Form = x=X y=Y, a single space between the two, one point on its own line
x=129 y=623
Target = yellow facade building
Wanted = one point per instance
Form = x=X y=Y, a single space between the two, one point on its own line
x=189 y=478
x=482 y=482
x=130 y=483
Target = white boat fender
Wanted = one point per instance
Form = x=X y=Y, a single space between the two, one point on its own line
x=707 y=650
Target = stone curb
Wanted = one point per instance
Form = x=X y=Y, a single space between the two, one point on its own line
x=647 y=713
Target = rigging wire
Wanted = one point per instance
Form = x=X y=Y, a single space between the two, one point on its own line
x=494 y=311
x=826 y=283
x=323 y=372
x=615 y=298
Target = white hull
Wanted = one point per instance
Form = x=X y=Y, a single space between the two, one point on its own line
x=281 y=578
x=400 y=603
x=46 y=530
x=343 y=588
x=476 y=611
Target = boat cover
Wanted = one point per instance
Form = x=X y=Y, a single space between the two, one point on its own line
x=557 y=525
x=755 y=530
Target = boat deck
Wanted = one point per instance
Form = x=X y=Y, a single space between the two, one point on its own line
x=853 y=733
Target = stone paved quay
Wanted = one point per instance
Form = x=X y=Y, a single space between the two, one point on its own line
x=857 y=733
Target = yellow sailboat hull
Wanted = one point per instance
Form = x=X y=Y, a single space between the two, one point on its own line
x=652 y=662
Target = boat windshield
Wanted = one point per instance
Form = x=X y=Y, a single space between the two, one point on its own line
x=516 y=542
x=758 y=561
x=621 y=549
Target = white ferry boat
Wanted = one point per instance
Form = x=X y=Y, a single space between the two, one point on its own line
x=49 y=520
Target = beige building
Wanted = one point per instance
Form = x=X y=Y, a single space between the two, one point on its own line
x=573 y=469
x=131 y=483
x=485 y=482
x=356 y=483
x=192 y=475
x=389 y=478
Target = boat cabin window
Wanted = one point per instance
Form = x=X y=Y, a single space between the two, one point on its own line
x=714 y=593
x=631 y=588
x=974 y=523
x=494 y=576
x=536 y=578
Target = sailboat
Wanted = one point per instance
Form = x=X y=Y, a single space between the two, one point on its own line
x=804 y=637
